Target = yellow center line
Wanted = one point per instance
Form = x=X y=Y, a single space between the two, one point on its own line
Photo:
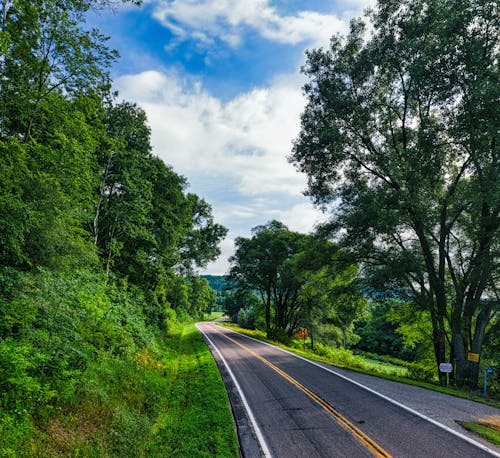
x=366 y=440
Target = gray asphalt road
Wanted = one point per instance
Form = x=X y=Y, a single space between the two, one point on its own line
x=295 y=409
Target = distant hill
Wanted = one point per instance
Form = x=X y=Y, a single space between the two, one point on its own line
x=217 y=282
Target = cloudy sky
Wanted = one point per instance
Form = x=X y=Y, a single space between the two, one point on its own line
x=221 y=85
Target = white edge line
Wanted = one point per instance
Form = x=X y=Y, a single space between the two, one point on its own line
x=258 y=432
x=393 y=401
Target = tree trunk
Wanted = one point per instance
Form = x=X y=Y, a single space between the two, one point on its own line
x=459 y=353
x=268 y=314
x=472 y=368
x=439 y=342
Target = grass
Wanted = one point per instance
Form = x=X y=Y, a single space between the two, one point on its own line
x=198 y=420
x=345 y=359
x=213 y=316
x=168 y=400
x=490 y=434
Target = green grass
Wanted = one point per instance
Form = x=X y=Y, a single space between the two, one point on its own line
x=197 y=421
x=485 y=432
x=213 y=316
x=346 y=359
x=166 y=400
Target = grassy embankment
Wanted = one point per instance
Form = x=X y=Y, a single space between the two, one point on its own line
x=170 y=402
x=388 y=369
x=488 y=428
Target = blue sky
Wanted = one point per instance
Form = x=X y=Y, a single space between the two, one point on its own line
x=220 y=83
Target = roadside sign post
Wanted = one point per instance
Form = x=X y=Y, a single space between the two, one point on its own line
x=446 y=368
x=486 y=372
x=302 y=334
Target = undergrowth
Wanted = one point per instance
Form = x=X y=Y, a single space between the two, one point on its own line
x=83 y=373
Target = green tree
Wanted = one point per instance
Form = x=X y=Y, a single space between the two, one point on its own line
x=201 y=243
x=201 y=297
x=402 y=129
x=260 y=264
x=238 y=299
x=53 y=74
x=44 y=51
x=301 y=279
x=331 y=302
x=379 y=334
x=120 y=225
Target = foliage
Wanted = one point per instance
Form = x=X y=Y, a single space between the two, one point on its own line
x=301 y=280
x=240 y=299
x=219 y=285
x=379 y=335
x=400 y=133
x=99 y=246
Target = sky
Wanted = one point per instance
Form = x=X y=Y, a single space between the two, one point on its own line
x=220 y=83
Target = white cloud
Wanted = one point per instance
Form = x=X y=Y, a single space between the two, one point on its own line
x=227 y=19
x=244 y=141
x=221 y=265
x=301 y=217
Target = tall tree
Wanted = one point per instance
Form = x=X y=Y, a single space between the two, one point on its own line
x=260 y=264
x=201 y=243
x=45 y=50
x=402 y=127
x=53 y=73
x=124 y=204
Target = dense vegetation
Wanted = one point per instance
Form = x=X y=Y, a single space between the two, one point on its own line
x=99 y=242
x=293 y=280
x=219 y=285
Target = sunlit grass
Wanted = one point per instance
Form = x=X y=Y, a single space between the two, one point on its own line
x=213 y=316
x=168 y=400
x=490 y=434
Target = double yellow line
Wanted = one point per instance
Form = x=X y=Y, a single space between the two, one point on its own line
x=367 y=441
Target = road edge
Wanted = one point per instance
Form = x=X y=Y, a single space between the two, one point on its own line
x=250 y=439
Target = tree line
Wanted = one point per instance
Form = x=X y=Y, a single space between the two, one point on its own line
x=99 y=239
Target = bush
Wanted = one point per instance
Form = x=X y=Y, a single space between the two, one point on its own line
x=246 y=318
x=420 y=372
x=14 y=431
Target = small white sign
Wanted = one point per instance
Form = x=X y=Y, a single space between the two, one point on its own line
x=445 y=367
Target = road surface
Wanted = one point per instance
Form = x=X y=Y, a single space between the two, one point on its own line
x=287 y=407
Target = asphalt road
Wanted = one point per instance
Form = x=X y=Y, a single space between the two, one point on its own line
x=287 y=407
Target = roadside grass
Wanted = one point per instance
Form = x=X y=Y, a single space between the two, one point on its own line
x=346 y=359
x=198 y=420
x=212 y=316
x=486 y=432
x=168 y=400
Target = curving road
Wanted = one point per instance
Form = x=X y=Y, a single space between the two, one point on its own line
x=286 y=406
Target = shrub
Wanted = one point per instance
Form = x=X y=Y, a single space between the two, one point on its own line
x=420 y=372
x=246 y=318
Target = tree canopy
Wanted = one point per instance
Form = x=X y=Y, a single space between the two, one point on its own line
x=401 y=131
x=301 y=280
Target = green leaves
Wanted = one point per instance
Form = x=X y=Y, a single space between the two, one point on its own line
x=400 y=135
x=301 y=279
